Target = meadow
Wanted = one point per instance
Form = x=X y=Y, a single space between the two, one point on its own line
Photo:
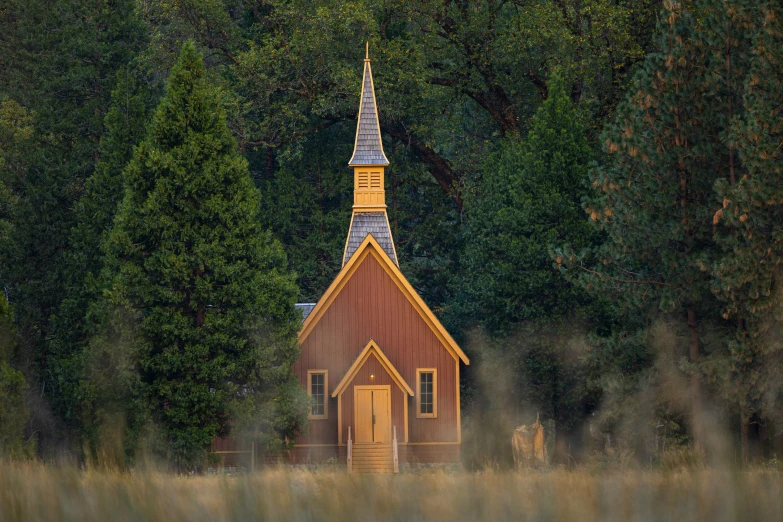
x=38 y=492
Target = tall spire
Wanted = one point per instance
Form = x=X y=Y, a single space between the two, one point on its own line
x=368 y=162
x=368 y=148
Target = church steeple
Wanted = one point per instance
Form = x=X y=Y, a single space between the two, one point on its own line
x=368 y=162
x=368 y=147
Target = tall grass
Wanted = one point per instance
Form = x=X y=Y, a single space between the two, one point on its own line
x=36 y=492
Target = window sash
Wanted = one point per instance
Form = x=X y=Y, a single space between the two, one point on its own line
x=427 y=390
x=318 y=389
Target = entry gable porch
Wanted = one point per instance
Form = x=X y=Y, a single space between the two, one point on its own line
x=372 y=369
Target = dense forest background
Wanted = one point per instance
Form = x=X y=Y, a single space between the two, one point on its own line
x=586 y=192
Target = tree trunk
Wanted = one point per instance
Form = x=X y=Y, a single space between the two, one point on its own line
x=764 y=442
x=696 y=406
x=744 y=442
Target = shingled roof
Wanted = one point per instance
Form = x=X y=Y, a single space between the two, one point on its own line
x=364 y=223
x=368 y=149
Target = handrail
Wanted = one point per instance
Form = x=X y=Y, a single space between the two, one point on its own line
x=396 y=455
x=350 y=451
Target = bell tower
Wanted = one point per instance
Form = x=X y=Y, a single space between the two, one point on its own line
x=369 y=163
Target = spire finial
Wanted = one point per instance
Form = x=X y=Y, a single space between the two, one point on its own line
x=367 y=50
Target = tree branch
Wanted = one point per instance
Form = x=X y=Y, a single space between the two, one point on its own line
x=438 y=166
x=618 y=280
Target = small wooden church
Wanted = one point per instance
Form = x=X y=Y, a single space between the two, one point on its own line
x=382 y=371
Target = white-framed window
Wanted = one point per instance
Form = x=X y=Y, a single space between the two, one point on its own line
x=426 y=393
x=318 y=390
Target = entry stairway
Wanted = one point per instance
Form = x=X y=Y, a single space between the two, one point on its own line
x=373 y=457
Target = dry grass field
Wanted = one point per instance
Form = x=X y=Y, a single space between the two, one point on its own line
x=35 y=492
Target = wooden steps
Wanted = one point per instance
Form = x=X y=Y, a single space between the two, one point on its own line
x=373 y=457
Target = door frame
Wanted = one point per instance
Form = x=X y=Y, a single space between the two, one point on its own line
x=386 y=387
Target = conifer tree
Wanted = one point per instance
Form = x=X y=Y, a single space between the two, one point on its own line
x=58 y=59
x=528 y=199
x=84 y=312
x=13 y=388
x=16 y=137
x=668 y=145
x=214 y=301
x=747 y=274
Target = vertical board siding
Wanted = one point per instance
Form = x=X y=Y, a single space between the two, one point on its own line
x=229 y=444
x=372 y=306
x=432 y=453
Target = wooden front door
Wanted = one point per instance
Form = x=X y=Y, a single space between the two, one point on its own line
x=372 y=413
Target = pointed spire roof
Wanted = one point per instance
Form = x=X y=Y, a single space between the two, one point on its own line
x=368 y=148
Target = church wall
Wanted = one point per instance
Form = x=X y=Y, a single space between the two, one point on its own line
x=372 y=306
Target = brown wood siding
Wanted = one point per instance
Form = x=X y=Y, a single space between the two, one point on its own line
x=229 y=444
x=372 y=366
x=432 y=453
x=234 y=460
x=304 y=455
x=372 y=306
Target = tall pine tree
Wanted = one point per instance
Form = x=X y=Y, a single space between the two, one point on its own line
x=654 y=198
x=748 y=273
x=527 y=201
x=214 y=302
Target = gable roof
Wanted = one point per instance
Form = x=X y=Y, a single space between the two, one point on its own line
x=365 y=223
x=368 y=148
x=372 y=348
x=370 y=247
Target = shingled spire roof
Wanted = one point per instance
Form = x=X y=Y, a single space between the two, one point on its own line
x=368 y=148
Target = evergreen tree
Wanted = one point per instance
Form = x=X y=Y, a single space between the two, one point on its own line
x=527 y=201
x=216 y=322
x=84 y=313
x=13 y=388
x=654 y=197
x=747 y=274
x=16 y=137
x=58 y=59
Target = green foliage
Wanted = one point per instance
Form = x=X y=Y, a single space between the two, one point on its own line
x=450 y=80
x=84 y=313
x=14 y=414
x=747 y=274
x=307 y=202
x=527 y=201
x=671 y=157
x=16 y=135
x=214 y=301
x=654 y=193
x=58 y=60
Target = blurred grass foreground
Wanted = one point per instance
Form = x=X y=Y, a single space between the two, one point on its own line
x=37 y=492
